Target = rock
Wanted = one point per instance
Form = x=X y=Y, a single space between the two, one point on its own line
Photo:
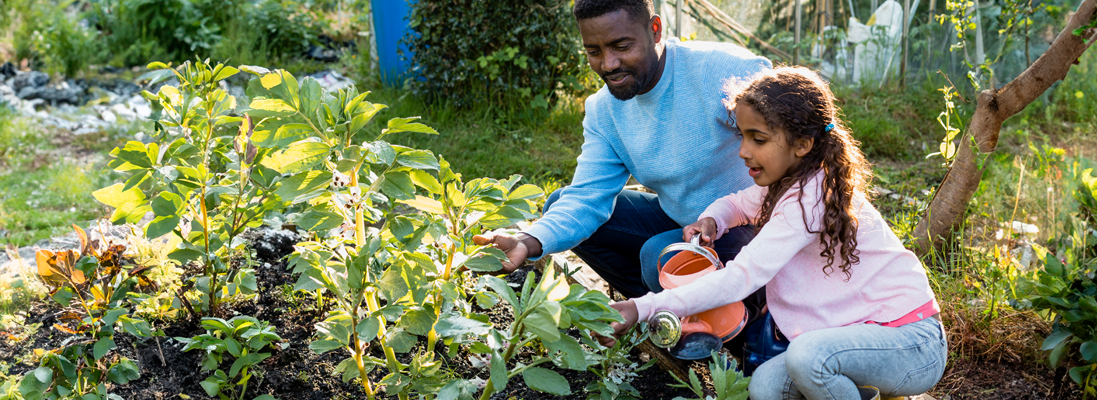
x=237 y=92
x=30 y=79
x=66 y=92
x=108 y=116
x=140 y=106
x=331 y=80
x=8 y=70
x=322 y=54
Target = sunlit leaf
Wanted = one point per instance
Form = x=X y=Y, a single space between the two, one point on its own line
x=298 y=157
x=426 y=204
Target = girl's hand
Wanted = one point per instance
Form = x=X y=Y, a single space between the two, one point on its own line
x=627 y=310
x=706 y=227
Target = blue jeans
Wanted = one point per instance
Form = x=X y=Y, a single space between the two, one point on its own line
x=624 y=250
x=831 y=363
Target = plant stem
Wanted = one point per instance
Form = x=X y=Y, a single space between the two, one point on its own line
x=358 y=359
x=390 y=355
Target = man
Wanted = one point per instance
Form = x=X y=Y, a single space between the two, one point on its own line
x=660 y=119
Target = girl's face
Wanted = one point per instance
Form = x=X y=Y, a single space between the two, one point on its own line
x=766 y=152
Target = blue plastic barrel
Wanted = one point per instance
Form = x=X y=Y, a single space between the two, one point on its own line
x=390 y=24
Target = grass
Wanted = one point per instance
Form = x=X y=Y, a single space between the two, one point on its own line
x=46 y=186
x=492 y=141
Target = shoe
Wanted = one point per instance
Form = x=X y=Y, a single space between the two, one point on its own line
x=869 y=393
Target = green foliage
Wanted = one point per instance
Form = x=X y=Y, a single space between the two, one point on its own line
x=1068 y=290
x=139 y=30
x=94 y=285
x=524 y=51
x=948 y=144
x=62 y=43
x=266 y=31
x=242 y=337
x=203 y=180
x=617 y=370
x=541 y=312
x=729 y=383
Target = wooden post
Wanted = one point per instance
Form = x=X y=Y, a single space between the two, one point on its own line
x=678 y=5
x=906 y=44
x=796 y=55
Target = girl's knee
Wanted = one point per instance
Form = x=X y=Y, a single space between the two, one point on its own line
x=767 y=383
x=806 y=356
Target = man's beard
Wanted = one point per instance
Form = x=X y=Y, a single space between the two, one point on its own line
x=640 y=81
x=627 y=92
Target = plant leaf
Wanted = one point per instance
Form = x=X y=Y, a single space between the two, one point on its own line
x=548 y=381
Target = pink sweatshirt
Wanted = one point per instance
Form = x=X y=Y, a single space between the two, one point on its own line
x=887 y=284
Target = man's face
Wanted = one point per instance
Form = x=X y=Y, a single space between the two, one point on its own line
x=623 y=52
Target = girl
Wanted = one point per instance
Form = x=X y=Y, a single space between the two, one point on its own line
x=855 y=303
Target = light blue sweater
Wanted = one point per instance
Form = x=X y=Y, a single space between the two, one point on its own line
x=672 y=139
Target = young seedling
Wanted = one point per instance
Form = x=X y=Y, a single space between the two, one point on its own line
x=242 y=337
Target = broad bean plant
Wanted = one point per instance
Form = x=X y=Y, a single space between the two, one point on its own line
x=388 y=250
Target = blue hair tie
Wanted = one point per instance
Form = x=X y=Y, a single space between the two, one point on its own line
x=829 y=127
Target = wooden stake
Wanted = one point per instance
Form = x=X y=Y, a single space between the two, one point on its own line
x=906 y=45
x=796 y=55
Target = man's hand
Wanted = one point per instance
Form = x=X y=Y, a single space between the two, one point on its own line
x=517 y=250
x=706 y=227
x=627 y=310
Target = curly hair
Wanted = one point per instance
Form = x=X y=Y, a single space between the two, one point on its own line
x=638 y=10
x=798 y=103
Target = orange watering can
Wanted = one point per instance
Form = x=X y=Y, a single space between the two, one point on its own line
x=693 y=337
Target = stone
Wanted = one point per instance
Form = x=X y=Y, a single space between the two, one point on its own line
x=8 y=70
x=322 y=54
x=331 y=80
x=108 y=116
x=140 y=106
x=64 y=92
x=237 y=92
x=30 y=79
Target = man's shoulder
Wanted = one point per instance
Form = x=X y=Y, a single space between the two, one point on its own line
x=714 y=56
x=719 y=50
x=600 y=98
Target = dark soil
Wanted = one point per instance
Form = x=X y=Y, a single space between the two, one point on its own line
x=291 y=373
x=296 y=372
x=987 y=379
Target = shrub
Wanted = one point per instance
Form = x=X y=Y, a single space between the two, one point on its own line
x=503 y=49
x=138 y=30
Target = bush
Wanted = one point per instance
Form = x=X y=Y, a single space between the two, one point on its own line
x=65 y=45
x=138 y=30
x=467 y=51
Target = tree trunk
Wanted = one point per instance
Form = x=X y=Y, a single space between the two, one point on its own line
x=946 y=210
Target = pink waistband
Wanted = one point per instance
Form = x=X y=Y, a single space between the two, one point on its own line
x=925 y=311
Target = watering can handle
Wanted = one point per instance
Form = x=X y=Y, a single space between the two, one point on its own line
x=693 y=246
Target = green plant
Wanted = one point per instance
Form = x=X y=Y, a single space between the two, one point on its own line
x=508 y=50
x=1067 y=290
x=63 y=45
x=242 y=337
x=205 y=180
x=729 y=384
x=617 y=370
x=241 y=30
x=93 y=284
x=543 y=309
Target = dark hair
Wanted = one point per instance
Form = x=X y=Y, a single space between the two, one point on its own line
x=638 y=10
x=796 y=101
